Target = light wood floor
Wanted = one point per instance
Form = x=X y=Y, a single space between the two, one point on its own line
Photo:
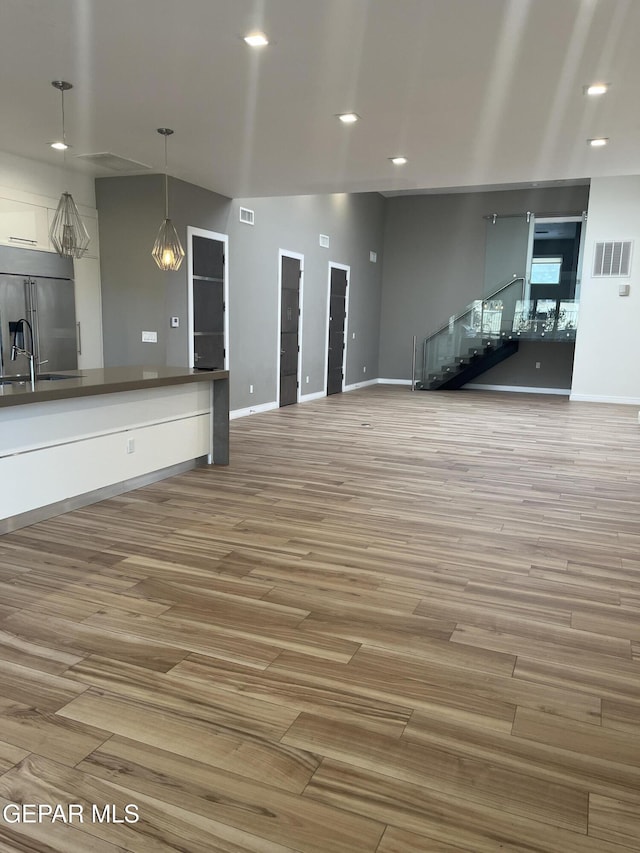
x=398 y=622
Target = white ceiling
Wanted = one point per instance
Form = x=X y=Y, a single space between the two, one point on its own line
x=473 y=92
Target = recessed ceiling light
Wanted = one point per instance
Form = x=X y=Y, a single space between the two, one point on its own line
x=596 y=89
x=398 y=161
x=256 y=40
x=598 y=142
x=59 y=146
x=348 y=118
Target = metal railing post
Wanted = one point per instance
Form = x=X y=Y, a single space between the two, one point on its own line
x=413 y=365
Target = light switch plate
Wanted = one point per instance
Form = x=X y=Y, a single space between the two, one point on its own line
x=149 y=337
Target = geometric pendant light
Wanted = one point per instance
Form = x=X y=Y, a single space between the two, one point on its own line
x=167 y=250
x=68 y=234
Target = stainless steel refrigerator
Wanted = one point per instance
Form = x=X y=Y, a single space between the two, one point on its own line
x=37 y=287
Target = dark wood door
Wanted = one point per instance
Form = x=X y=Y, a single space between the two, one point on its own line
x=208 y=303
x=337 y=316
x=289 y=329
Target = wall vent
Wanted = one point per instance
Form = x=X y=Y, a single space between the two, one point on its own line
x=247 y=216
x=612 y=259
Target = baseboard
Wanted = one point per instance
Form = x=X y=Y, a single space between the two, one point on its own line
x=315 y=395
x=252 y=410
x=356 y=385
x=597 y=398
x=519 y=389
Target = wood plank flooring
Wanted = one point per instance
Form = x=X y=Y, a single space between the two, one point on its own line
x=396 y=623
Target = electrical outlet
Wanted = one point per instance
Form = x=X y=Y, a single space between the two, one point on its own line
x=537 y=365
x=175 y=322
x=251 y=389
x=131 y=445
x=307 y=380
x=353 y=336
x=364 y=369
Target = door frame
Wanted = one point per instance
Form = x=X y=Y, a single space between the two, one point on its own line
x=222 y=238
x=347 y=269
x=296 y=256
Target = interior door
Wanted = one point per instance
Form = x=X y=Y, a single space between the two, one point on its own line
x=290 y=273
x=208 y=303
x=337 y=317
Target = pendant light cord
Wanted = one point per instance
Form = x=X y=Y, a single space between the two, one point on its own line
x=64 y=135
x=166 y=182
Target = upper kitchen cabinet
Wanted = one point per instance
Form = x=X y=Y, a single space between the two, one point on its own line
x=23 y=225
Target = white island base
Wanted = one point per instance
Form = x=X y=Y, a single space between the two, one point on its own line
x=58 y=454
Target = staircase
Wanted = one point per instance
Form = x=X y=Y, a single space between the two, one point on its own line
x=488 y=331
x=487 y=353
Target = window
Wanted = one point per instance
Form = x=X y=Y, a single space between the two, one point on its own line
x=545 y=270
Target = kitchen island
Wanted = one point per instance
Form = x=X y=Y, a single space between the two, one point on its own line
x=81 y=436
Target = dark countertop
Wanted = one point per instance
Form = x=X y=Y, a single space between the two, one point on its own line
x=108 y=380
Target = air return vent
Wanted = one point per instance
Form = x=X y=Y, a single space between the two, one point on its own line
x=612 y=259
x=247 y=216
x=112 y=162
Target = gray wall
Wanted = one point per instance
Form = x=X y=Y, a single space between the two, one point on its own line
x=136 y=295
x=555 y=371
x=354 y=224
x=435 y=259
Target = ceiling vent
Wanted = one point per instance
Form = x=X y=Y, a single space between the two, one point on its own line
x=612 y=259
x=112 y=162
x=247 y=216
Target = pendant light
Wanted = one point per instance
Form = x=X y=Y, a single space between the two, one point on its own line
x=68 y=234
x=167 y=250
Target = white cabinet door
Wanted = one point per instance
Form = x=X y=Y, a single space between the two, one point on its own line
x=88 y=312
x=23 y=225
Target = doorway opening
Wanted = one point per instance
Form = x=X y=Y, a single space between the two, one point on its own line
x=555 y=258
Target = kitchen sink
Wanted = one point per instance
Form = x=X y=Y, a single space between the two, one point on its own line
x=50 y=377
x=43 y=377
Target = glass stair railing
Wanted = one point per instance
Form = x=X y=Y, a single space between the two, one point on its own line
x=489 y=330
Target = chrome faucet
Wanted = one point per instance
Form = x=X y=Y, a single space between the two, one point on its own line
x=16 y=350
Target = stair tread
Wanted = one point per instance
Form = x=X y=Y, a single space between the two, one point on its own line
x=454 y=375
